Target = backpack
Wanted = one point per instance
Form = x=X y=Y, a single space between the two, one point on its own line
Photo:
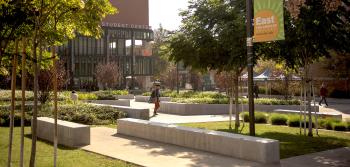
x=152 y=97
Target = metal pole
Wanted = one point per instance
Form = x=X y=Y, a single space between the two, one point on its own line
x=177 y=78
x=132 y=61
x=315 y=110
x=249 y=26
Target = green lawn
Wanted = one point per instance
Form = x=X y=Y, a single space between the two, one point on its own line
x=291 y=143
x=67 y=157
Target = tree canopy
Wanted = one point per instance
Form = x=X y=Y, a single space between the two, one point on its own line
x=211 y=36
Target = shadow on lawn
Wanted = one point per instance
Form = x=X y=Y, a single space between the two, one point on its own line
x=295 y=144
x=61 y=147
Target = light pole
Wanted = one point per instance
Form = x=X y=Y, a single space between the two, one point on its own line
x=249 y=17
x=177 y=78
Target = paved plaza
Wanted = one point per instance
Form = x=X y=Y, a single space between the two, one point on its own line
x=106 y=141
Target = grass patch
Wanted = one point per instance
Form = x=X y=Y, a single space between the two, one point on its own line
x=291 y=143
x=67 y=157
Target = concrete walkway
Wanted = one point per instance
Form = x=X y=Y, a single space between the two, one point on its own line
x=331 y=158
x=105 y=141
x=142 y=152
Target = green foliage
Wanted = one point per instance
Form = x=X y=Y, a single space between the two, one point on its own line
x=211 y=37
x=308 y=36
x=339 y=126
x=327 y=123
x=278 y=119
x=79 y=113
x=5 y=95
x=260 y=117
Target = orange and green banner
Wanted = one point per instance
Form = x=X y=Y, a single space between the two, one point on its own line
x=268 y=20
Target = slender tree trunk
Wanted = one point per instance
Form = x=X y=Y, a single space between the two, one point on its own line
x=35 y=108
x=308 y=95
x=55 y=106
x=24 y=75
x=12 y=113
x=236 y=102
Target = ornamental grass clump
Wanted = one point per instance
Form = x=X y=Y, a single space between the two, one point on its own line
x=278 y=119
x=339 y=126
x=260 y=117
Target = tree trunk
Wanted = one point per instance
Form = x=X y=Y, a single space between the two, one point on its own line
x=35 y=108
x=236 y=102
x=230 y=111
x=12 y=113
x=24 y=75
x=308 y=94
x=55 y=106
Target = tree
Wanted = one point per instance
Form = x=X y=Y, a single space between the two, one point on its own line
x=313 y=29
x=211 y=38
x=55 y=22
x=107 y=75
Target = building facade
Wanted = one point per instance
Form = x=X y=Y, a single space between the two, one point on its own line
x=126 y=41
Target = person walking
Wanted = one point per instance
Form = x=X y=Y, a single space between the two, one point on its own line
x=256 y=90
x=156 y=97
x=323 y=94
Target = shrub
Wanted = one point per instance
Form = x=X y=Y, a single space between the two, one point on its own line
x=260 y=117
x=79 y=113
x=326 y=123
x=339 y=126
x=5 y=118
x=278 y=119
x=104 y=95
x=294 y=121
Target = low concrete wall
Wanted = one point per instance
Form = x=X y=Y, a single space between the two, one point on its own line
x=69 y=134
x=146 y=98
x=138 y=113
x=129 y=96
x=218 y=109
x=123 y=102
x=239 y=146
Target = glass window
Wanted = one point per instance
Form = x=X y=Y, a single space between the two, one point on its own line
x=128 y=47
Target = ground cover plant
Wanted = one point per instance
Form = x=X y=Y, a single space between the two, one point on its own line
x=79 y=112
x=291 y=143
x=294 y=120
x=67 y=157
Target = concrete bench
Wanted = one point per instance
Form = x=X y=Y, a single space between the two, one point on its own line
x=123 y=102
x=238 y=146
x=138 y=113
x=146 y=98
x=69 y=134
x=217 y=109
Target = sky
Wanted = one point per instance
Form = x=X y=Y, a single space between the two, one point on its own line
x=166 y=12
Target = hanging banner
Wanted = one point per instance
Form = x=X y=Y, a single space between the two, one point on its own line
x=268 y=20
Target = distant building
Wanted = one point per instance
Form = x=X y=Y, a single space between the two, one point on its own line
x=126 y=41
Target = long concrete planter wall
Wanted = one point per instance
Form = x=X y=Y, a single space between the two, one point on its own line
x=146 y=98
x=123 y=102
x=138 y=113
x=129 y=96
x=219 y=109
x=239 y=146
x=69 y=134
